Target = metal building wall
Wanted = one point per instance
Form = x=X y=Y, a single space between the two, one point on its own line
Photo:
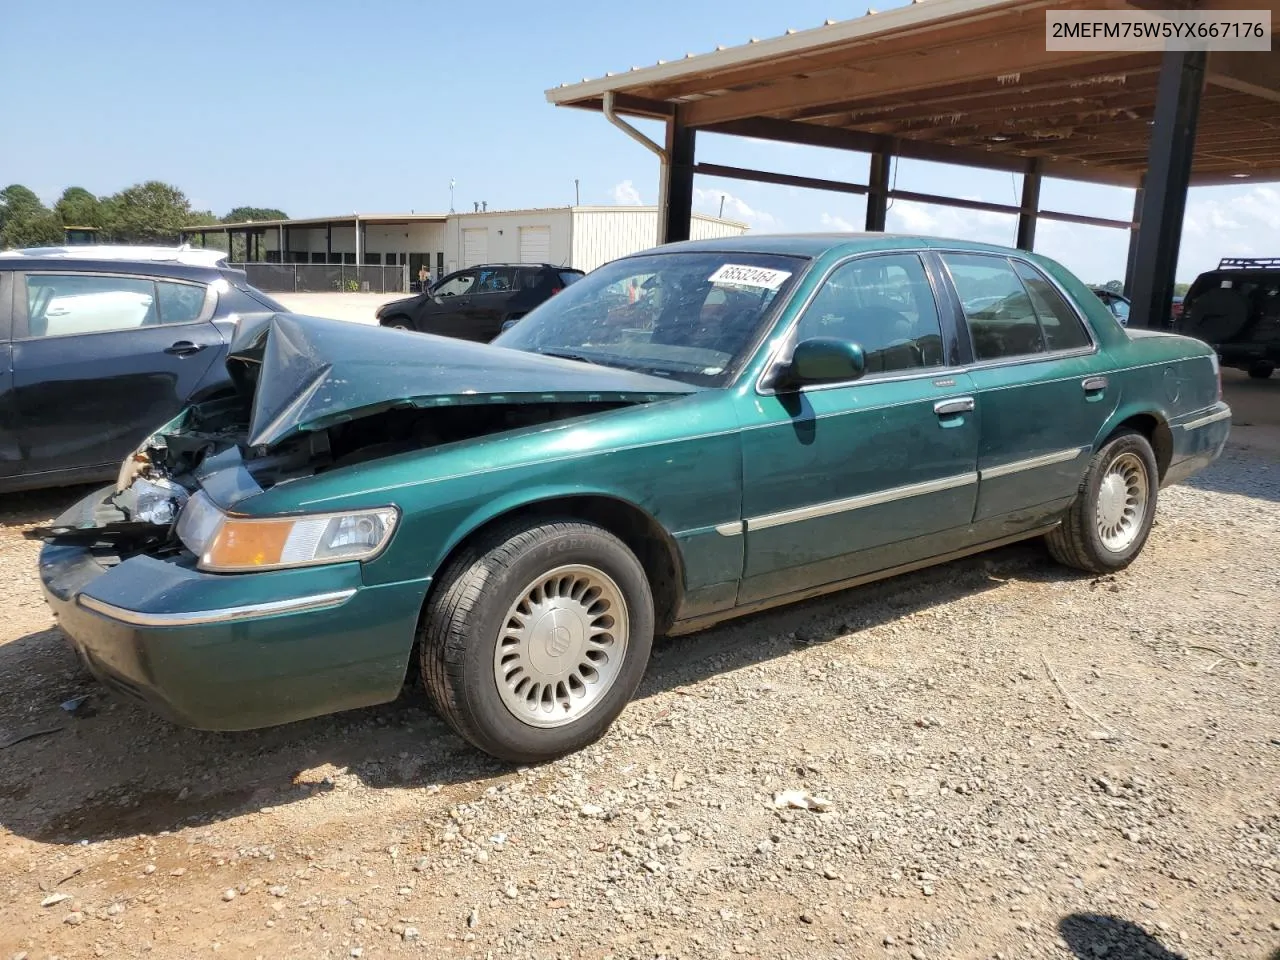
x=503 y=228
x=602 y=234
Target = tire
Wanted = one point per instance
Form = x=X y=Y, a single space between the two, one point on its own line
x=397 y=323
x=1079 y=541
x=1261 y=371
x=471 y=635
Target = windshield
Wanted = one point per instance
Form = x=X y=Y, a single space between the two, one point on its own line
x=690 y=316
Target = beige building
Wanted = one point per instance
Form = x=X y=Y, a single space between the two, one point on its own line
x=580 y=237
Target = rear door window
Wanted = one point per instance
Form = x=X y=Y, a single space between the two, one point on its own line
x=1063 y=328
x=1002 y=320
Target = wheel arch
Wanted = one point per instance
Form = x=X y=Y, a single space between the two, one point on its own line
x=649 y=540
x=1152 y=424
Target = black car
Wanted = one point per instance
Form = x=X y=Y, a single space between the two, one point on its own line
x=1117 y=303
x=1236 y=310
x=103 y=349
x=478 y=302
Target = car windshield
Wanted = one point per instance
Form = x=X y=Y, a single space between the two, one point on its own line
x=689 y=316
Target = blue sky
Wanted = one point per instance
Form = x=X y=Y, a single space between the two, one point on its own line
x=320 y=107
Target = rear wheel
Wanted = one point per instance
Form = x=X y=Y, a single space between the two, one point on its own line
x=1261 y=371
x=1108 y=524
x=536 y=638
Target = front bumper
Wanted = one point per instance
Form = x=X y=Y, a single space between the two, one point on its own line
x=233 y=652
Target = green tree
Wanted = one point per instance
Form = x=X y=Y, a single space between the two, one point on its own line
x=25 y=221
x=40 y=229
x=245 y=214
x=77 y=207
x=1115 y=286
x=18 y=202
x=151 y=212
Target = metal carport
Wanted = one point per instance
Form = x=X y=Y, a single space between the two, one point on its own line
x=970 y=82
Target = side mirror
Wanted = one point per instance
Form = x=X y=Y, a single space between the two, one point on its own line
x=822 y=360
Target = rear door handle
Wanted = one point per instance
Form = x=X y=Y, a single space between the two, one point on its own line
x=184 y=348
x=1094 y=384
x=947 y=408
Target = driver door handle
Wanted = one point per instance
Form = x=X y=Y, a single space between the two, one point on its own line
x=947 y=408
x=184 y=348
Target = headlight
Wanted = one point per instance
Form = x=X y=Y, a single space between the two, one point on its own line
x=228 y=544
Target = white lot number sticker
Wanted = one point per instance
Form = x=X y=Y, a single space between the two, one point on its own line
x=750 y=276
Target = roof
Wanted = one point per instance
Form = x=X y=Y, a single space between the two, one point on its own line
x=815 y=245
x=351 y=218
x=184 y=254
x=961 y=81
x=396 y=218
x=159 y=268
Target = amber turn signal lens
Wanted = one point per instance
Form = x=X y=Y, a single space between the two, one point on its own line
x=246 y=544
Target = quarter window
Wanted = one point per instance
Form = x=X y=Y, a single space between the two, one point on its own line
x=884 y=304
x=68 y=304
x=1060 y=323
x=1002 y=320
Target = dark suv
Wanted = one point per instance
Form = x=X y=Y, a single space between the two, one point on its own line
x=479 y=302
x=105 y=345
x=1236 y=309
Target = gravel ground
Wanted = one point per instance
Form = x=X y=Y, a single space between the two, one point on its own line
x=991 y=759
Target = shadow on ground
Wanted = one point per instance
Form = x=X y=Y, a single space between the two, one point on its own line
x=114 y=770
x=1093 y=935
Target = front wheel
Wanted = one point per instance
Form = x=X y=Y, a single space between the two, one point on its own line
x=536 y=638
x=1109 y=522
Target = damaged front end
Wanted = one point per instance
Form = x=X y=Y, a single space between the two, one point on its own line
x=318 y=395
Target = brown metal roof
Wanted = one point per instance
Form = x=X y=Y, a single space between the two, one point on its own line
x=963 y=81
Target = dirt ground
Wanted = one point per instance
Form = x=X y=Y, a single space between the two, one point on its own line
x=1006 y=761
x=356 y=307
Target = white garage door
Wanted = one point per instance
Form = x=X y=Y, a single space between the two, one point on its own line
x=535 y=244
x=475 y=246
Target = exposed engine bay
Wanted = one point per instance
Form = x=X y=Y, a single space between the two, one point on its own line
x=157 y=480
x=313 y=395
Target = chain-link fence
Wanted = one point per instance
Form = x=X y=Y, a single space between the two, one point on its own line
x=326 y=277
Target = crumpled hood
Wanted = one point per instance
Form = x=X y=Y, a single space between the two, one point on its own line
x=307 y=373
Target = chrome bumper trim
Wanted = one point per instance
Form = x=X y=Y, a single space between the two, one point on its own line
x=1208 y=419
x=251 y=611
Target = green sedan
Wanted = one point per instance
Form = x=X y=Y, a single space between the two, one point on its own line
x=686 y=435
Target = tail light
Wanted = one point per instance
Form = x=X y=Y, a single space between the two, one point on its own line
x=555 y=290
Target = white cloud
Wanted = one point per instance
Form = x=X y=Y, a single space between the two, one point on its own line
x=735 y=208
x=906 y=216
x=839 y=224
x=1229 y=222
x=625 y=194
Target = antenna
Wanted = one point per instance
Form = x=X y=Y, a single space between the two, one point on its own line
x=577 y=194
x=722 y=206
